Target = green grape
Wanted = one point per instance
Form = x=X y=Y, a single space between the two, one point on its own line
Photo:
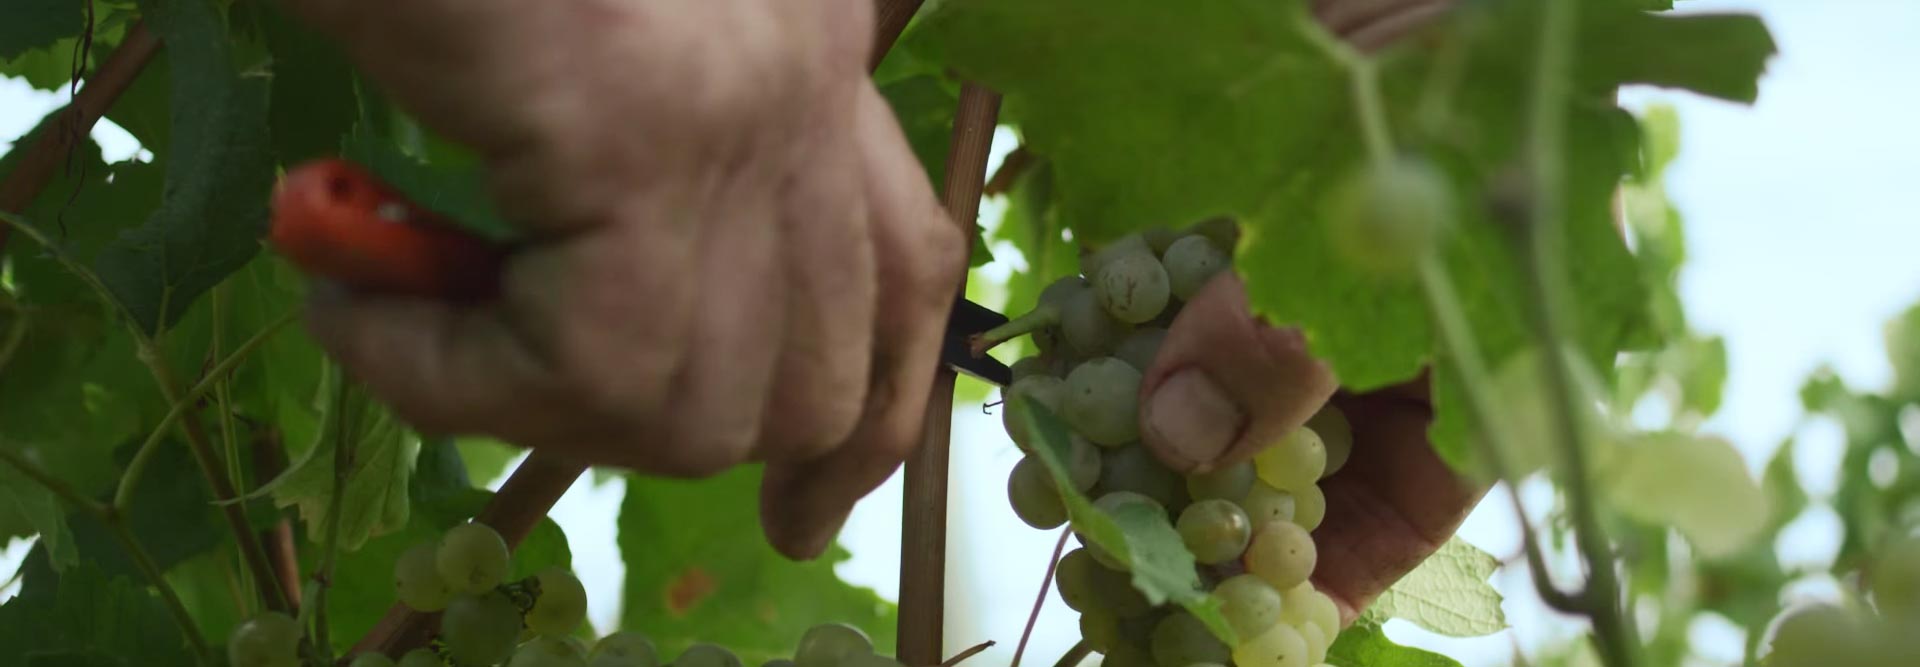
x=1316 y=642
x=1817 y=636
x=1100 y=628
x=270 y=639
x=1296 y=461
x=1305 y=605
x=420 y=657
x=1033 y=496
x=1336 y=433
x=1159 y=238
x=371 y=660
x=1139 y=348
x=1264 y=503
x=625 y=648
x=1229 y=483
x=1250 y=604
x=706 y=655
x=1388 y=217
x=1116 y=501
x=1127 y=654
x=1043 y=389
x=1309 y=507
x=480 y=629
x=870 y=660
x=1133 y=469
x=416 y=579
x=1191 y=262
x=1029 y=367
x=1078 y=579
x=1281 y=553
x=829 y=644
x=547 y=652
x=1279 y=646
x=1088 y=329
x=472 y=558
x=1133 y=287
x=1223 y=232
x=1180 y=639
x=1083 y=463
x=1092 y=262
x=562 y=604
x=1216 y=531
x=1896 y=578
x=1102 y=401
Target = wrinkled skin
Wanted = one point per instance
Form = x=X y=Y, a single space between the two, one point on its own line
x=736 y=258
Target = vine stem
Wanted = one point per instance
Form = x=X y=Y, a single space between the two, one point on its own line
x=137 y=467
x=136 y=552
x=923 y=531
x=1040 y=600
x=343 y=463
x=1547 y=312
x=39 y=161
x=890 y=19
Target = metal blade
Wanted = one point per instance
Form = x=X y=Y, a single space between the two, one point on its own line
x=969 y=318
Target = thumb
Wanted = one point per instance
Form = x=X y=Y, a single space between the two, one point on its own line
x=1225 y=384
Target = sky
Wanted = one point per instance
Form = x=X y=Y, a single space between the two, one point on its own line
x=1802 y=244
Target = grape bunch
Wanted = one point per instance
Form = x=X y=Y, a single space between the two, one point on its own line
x=1857 y=635
x=1249 y=526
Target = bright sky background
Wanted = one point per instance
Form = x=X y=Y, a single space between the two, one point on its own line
x=1802 y=246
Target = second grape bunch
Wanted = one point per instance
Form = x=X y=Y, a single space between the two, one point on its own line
x=1249 y=525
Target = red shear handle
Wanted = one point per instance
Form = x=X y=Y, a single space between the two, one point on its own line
x=339 y=222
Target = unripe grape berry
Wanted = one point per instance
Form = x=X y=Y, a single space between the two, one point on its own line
x=472 y=558
x=625 y=648
x=830 y=644
x=1386 y=218
x=271 y=639
x=1191 y=262
x=562 y=604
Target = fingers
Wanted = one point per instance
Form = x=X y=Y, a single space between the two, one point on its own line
x=919 y=255
x=1391 y=508
x=1224 y=384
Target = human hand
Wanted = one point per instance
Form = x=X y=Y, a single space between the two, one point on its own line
x=1224 y=385
x=732 y=254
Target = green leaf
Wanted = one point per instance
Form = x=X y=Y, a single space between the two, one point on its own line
x=1366 y=645
x=314 y=102
x=486 y=459
x=455 y=189
x=375 y=500
x=1157 y=113
x=1718 y=55
x=699 y=570
x=171 y=512
x=89 y=612
x=1140 y=538
x=1696 y=484
x=1448 y=594
x=219 y=174
x=924 y=105
x=145 y=109
x=32 y=24
x=28 y=508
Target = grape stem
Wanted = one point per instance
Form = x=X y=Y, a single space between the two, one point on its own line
x=1041 y=317
x=136 y=552
x=343 y=462
x=1547 y=313
x=1040 y=600
x=970 y=652
x=1078 y=652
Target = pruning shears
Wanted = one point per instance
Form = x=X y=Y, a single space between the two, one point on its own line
x=337 y=220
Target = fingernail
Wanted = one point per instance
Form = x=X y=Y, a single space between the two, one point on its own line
x=1192 y=419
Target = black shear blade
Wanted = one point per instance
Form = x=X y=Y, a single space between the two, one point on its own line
x=969 y=318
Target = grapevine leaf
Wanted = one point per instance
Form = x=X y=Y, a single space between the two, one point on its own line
x=169 y=512
x=1366 y=645
x=1718 y=55
x=1138 y=536
x=1158 y=113
x=219 y=174
x=32 y=24
x=88 y=611
x=144 y=110
x=27 y=508
x=383 y=456
x=1448 y=593
x=699 y=570
x=924 y=105
x=314 y=102
x=1697 y=484
x=486 y=459
x=454 y=189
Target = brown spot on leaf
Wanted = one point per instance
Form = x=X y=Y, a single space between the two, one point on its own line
x=688 y=589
